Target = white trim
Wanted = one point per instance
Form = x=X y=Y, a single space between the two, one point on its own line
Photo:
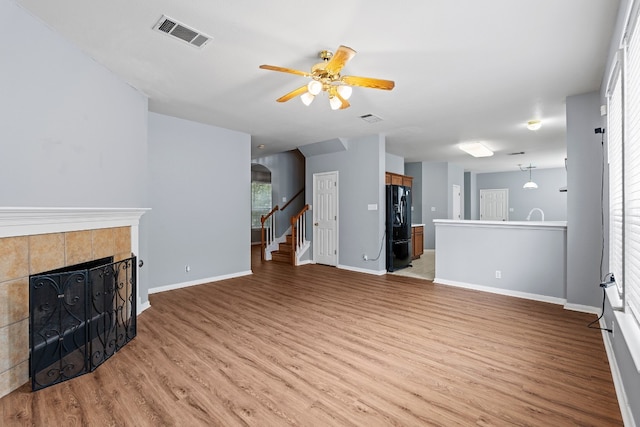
x=305 y=262
x=614 y=298
x=507 y=292
x=582 y=308
x=28 y=221
x=275 y=244
x=630 y=330
x=198 y=282
x=623 y=401
x=142 y=307
x=25 y=221
x=362 y=270
x=532 y=225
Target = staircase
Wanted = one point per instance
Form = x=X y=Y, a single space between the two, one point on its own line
x=290 y=246
x=284 y=252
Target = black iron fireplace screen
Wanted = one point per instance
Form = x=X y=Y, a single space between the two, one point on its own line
x=79 y=317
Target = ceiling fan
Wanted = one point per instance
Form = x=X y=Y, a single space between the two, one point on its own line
x=325 y=76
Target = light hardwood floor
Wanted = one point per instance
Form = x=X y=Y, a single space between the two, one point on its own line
x=318 y=346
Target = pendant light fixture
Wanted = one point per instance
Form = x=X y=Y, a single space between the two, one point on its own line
x=529 y=185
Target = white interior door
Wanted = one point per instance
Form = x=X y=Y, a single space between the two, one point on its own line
x=325 y=218
x=457 y=202
x=494 y=205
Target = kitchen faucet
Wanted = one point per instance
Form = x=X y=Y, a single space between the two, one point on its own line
x=533 y=210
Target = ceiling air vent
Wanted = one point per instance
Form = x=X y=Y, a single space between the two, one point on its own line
x=180 y=31
x=371 y=118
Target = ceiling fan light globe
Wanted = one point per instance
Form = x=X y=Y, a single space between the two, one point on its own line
x=307 y=98
x=335 y=102
x=314 y=87
x=530 y=185
x=534 y=124
x=345 y=91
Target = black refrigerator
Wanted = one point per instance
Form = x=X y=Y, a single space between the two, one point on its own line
x=398 y=230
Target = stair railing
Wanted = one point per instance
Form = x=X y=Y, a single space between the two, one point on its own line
x=292 y=199
x=268 y=233
x=298 y=232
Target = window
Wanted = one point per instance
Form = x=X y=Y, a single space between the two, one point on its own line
x=614 y=129
x=623 y=93
x=631 y=159
x=260 y=201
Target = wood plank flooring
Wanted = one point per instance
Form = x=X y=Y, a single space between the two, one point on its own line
x=318 y=346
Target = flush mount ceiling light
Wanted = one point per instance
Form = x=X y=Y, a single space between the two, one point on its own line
x=325 y=77
x=529 y=185
x=534 y=124
x=476 y=149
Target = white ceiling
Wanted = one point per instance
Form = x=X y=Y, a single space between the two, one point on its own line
x=465 y=70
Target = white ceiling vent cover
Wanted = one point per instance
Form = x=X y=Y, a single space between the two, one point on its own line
x=180 y=31
x=371 y=118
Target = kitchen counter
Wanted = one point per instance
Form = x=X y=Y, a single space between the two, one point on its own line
x=502 y=224
x=519 y=258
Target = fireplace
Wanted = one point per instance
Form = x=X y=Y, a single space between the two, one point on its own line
x=80 y=316
x=36 y=240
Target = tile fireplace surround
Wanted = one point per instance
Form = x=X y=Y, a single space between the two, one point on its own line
x=33 y=240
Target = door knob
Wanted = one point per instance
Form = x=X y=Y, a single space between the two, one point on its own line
x=316 y=224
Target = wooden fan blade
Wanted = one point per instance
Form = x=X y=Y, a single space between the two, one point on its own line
x=285 y=70
x=345 y=103
x=339 y=59
x=368 y=82
x=293 y=94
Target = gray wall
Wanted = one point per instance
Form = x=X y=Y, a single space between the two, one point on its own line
x=455 y=176
x=435 y=195
x=201 y=201
x=471 y=194
x=584 y=209
x=470 y=254
x=438 y=179
x=546 y=197
x=360 y=182
x=73 y=135
x=415 y=170
x=394 y=164
x=287 y=178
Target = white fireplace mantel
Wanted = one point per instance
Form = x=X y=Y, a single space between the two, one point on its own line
x=25 y=221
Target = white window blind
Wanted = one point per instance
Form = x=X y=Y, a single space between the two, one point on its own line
x=632 y=174
x=614 y=131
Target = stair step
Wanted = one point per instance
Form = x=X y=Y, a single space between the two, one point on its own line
x=279 y=256
x=285 y=247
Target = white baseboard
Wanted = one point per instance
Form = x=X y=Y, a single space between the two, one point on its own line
x=582 y=308
x=142 y=307
x=305 y=262
x=362 y=270
x=623 y=401
x=198 y=282
x=507 y=292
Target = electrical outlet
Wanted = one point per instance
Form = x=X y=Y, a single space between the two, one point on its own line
x=613 y=329
x=498 y=274
x=365 y=257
